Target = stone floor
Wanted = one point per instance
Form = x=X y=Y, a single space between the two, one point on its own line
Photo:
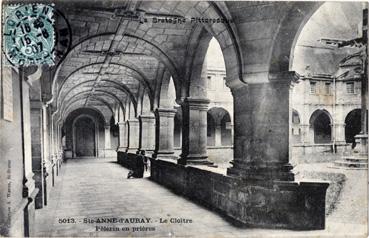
x=98 y=188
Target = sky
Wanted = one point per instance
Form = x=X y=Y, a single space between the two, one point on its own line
x=214 y=56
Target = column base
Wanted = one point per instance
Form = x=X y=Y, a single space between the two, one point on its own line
x=361 y=147
x=121 y=149
x=164 y=155
x=262 y=172
x=195 y=160
x=132 y=150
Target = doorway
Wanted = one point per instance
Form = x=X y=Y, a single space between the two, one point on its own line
x=85 y=141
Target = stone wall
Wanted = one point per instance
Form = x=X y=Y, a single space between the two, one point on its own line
x=220 y=154
x=289 y=205
x=318 y=152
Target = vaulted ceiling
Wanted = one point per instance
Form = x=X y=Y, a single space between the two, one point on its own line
x=115 y=53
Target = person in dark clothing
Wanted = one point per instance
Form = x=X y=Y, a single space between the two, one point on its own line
x=141 y=163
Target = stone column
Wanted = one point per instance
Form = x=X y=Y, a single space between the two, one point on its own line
x=164 y=136
x=37 y=151
x=339 y=132
x=147 y=132
x=261 y=120
x=122 y=136
x=133 y=136
x=305 y=134
x=194 y=131
x=361 y=139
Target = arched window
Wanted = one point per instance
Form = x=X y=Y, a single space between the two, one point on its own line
x=295 y=117
x=295 y=127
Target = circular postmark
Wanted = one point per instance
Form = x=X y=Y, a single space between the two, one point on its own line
x=29 y=37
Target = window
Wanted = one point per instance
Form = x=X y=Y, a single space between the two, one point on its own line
x=295 y=118
x=350 y=88
x=295 y=132
x=327 y=88
x=210 y=86
x=313 y=87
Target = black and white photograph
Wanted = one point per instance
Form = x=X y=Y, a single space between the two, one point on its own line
x=174 y=118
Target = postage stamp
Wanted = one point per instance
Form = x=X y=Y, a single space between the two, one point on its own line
x=28 y=34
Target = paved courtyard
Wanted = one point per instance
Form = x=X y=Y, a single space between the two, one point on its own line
x=89 y=190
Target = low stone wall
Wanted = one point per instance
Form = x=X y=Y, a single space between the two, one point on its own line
x=304 y=149
x=269 y=205
x=317 y=153
x=220 y=154
x=127 y=160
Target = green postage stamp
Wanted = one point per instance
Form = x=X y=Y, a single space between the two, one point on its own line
x=28 y=34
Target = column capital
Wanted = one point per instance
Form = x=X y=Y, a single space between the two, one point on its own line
x=36 y=104
x=135 y=120
x=167 y=112
x=147 y=117
x=196 y=101
x=285 y=76
x=107 y=126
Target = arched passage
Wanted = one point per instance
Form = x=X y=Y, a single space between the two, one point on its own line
x=352 y=125
x=226 y=130
x=84 y=126
x=211 y=129
x=219 y=128
x=321 y=123
x=84 y=136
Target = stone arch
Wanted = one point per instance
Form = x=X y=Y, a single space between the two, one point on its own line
x=234 y=71
x=121 y=114
x=87 y=92
x=168 y=92
x=143 y=80
x=74 y=104
x=284 y=42
x=154 y=50
x=195 y=82
x=321 y=123
x=70 y=120
x=310 y=57
x=132 y=112
x=352 y=125
x=145 y=103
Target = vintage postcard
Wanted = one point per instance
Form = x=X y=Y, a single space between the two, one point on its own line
x=125 y=118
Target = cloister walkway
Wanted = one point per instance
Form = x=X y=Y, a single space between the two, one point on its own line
x=96 y=188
